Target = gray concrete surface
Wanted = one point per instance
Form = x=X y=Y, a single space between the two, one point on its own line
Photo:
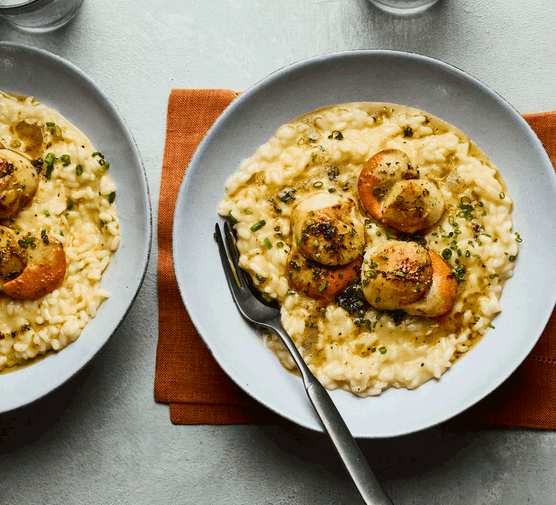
x=101 y=438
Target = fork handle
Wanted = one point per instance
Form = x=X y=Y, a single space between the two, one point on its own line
x=355 y=463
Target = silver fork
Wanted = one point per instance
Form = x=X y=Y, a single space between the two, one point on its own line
x=269 y=318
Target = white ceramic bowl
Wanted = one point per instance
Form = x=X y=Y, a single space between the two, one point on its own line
x=63 y=87
x=373 y=76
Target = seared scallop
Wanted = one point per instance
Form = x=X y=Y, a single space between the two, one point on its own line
x=318 y=281
x=391 y=191
x=31 y=266
x=327 y=230
x=412 y=205
x=404 y=275
x=18 y=182
x=395 y=274
x=442 y=293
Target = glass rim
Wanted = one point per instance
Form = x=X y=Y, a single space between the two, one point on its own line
x=24 y=7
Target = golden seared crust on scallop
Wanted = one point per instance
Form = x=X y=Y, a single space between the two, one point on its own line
x=318 y=281
x=395 y=274
x=412 y=205
x=390 y=166
x=379 y=175
x=391 y=191
x=442 y=293
x=326 y=229
x=406 y=276
x=19 y=181
x=12 y=255
x=31 y=266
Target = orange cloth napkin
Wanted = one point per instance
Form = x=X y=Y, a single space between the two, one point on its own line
x=187 y=376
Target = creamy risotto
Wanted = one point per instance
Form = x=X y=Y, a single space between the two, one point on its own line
x=58 y=230
x=384 y=234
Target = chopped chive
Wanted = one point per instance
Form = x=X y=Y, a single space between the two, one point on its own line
x=48 y=173
x=54 y=128
x=234 y=220
x=267 y=243
x=259 y=225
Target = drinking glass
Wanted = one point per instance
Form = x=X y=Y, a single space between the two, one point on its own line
x=38 y=15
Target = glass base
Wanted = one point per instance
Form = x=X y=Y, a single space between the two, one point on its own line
x=403 y=6
x=45 y=19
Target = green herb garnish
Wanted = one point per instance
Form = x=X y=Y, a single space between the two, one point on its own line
x=336 y=135
x=259 y=225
